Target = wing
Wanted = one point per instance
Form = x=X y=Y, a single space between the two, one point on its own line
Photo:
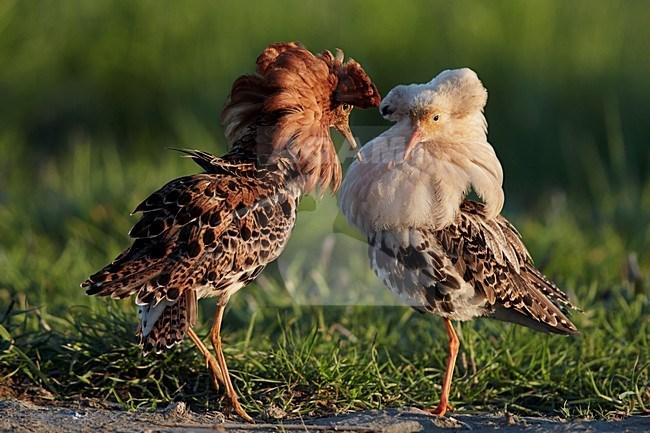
x=491 y=257
x=472 y=268
x=212 y=229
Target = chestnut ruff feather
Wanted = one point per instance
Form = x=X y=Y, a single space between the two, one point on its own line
x=286 y=109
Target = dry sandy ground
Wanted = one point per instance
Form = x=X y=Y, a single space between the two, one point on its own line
x=21 y=416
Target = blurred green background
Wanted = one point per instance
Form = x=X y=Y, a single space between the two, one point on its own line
x=568 y=81
x=92 y=94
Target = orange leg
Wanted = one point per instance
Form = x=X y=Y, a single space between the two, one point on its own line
x=449 y=372
x=216 y=373
x=215 y=336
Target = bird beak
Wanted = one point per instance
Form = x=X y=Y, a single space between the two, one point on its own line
x=413 y=141
x=345 y=131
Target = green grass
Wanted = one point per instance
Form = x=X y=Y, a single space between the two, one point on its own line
x=85 y=115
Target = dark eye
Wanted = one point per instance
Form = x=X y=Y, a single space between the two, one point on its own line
x=436 y=117
x=347 y=107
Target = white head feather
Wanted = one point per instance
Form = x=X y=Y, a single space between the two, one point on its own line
x=395 y=104
x=451 y=156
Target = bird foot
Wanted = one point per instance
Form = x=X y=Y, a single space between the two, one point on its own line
x=440 y=410
x=239 y=410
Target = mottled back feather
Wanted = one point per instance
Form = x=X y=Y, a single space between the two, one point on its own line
x=473 y=267
x=213 y=231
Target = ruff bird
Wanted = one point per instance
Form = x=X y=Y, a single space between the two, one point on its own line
x=210 y=234
x=438 y=251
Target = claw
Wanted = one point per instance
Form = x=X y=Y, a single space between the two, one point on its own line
x=440 y=410
x=240 y=411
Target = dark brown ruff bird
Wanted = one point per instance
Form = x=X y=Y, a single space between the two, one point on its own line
x=440 y=253
x=210 y=234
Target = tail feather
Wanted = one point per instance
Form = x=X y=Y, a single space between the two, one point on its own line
x=542 y=306
x=163 y=325
x=126 y=274
x=549 y=289
x=514 y=316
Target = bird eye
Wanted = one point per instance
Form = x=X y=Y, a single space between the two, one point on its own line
x=347 y=107
x=436 y=117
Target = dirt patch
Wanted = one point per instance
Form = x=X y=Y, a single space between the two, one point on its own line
x=21 y=416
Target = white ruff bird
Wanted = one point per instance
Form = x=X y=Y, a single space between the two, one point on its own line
x=439 y=252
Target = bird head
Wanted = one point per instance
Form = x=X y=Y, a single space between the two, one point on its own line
x=286 y=110
x=447 y=110
x=353 y=89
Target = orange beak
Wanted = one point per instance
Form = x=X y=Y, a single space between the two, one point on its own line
x=413 y=141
